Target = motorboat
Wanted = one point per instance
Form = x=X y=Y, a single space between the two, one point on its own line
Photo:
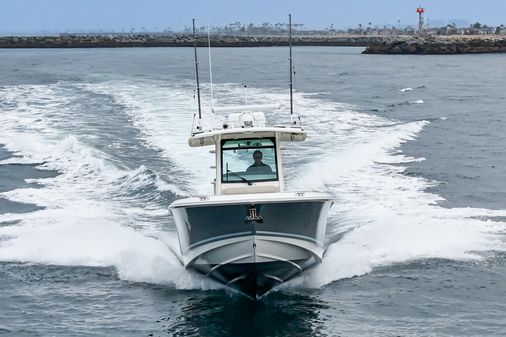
x=250 y=235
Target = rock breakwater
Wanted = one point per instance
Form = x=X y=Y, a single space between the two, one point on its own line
x=439 y=45
x=378 y=44
x=178 y=40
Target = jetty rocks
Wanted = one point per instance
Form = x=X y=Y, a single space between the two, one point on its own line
x=176 y=40
x=438 y=45
x=375 y=44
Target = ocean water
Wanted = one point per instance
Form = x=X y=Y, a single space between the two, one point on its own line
x=93 y=149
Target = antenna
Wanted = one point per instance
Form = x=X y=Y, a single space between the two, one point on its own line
x=197 y=72
x=210 y=65
x=291 y=66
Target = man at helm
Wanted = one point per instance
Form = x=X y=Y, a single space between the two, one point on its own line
x=258 y=166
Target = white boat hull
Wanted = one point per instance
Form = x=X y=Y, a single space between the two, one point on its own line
x=252 y=243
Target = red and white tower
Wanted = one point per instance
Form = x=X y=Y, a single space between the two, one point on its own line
x=420 y=10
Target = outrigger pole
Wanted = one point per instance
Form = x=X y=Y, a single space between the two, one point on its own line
x=197 y=71
x=291 y=66
x=210 y=65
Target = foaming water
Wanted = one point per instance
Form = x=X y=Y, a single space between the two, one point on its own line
x=90 y=215
x=381 y=215
x=163 y=116
x=388 y=216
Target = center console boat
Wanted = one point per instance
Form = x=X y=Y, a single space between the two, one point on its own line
x=251 y=235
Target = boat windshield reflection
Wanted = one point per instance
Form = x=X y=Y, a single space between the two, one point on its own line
x=249 y=160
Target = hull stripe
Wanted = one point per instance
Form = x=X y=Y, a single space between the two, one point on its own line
x=236 y=279
x=274 y=278
x=228 y=261
x=281 y=260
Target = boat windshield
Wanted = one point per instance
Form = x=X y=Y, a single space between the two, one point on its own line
x=248 y=160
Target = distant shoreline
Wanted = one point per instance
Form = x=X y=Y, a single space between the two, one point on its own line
x=376 y=44
x=147 y=40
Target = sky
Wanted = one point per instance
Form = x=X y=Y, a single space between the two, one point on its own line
x=59 y=16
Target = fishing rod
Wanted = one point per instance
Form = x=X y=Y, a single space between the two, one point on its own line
x=210 y=65
x=197 y=74
x=291 y=65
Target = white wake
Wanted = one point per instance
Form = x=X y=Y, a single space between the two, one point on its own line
x=386 y=215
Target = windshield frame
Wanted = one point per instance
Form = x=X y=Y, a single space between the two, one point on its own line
x=274 y=146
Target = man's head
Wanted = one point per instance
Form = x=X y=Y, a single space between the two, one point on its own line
x=257 y=157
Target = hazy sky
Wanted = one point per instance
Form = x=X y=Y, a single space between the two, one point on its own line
x=29 y=16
